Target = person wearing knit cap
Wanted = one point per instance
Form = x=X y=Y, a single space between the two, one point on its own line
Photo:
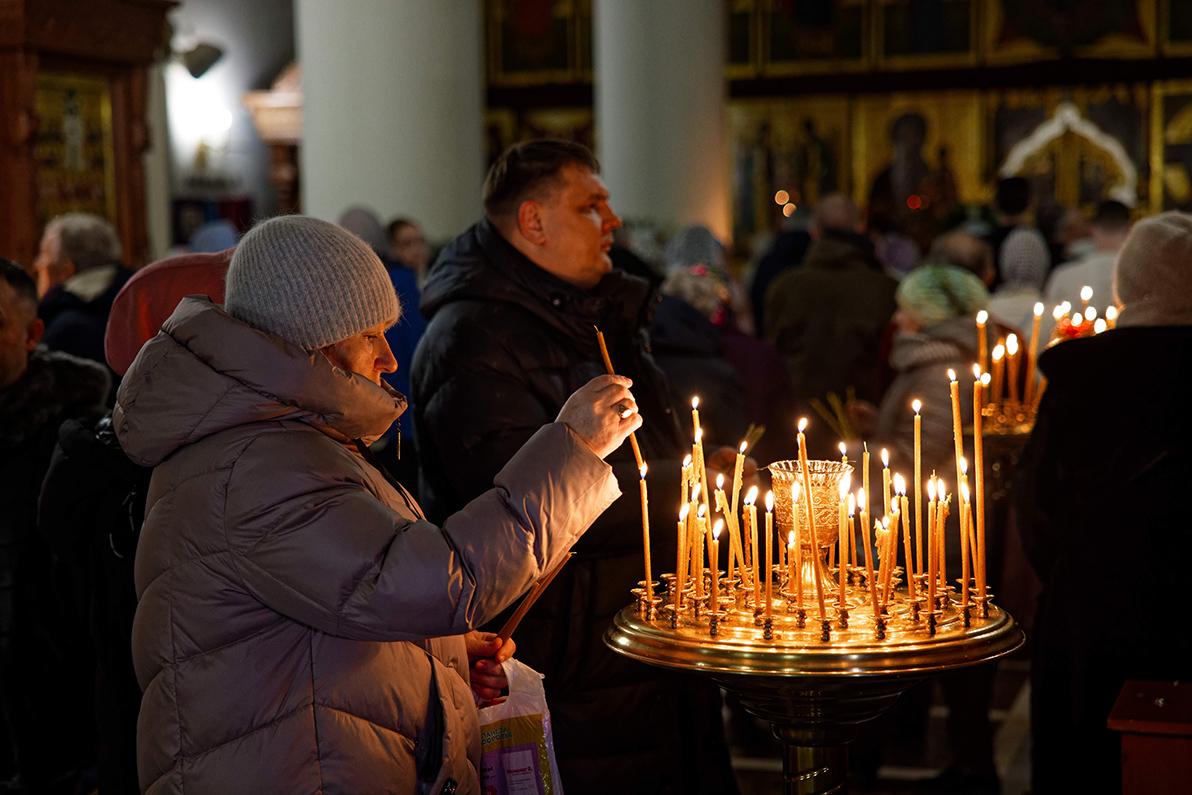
x=300 y=623
x=1098 y=499
x=1023 y=265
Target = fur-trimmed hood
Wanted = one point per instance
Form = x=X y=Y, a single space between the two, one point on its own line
x=55 y=385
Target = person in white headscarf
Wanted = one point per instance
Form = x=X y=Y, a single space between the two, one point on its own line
x=1023 y=265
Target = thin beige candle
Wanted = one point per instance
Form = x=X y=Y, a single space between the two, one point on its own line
x=979 y=387
x=685 y=477
x=931 y=545
x=681 y=559
x=942 y=553
x=917 y=406
x=815 y=558
x=863 y=501
x=1032 y=354
x=736 y=542
x=769 y=554
x=751 y=513
x=701 y=470
x=791 y=556
x=722 y=507
x=608 y=366
x=1012 y=362
x=863 y=509
x=957 y=427
x=842 y=533
x=646 y=535
x=965 y=519
x=999 y=356
x=843 y=448
x=885 y=482
x=797 y=564
x=701 y=530
x=692 y=533
x=714 y=557
x=905 y=511
x=869 y=541
x=982 y=338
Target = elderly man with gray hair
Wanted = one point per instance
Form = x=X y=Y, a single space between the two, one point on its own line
x=1099 y=500
x=78 y=273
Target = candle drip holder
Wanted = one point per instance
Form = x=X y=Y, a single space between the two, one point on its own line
x=842 y=615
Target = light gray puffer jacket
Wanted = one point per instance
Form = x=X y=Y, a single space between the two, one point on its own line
x=299 y=620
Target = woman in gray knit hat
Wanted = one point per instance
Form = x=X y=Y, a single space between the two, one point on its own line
x=301 y=626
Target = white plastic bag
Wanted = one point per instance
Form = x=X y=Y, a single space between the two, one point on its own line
x=516 y=747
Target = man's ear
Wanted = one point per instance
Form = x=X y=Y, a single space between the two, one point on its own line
x=34 y=332
x=529 y=222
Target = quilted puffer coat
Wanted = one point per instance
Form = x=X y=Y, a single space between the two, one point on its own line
x=299 y=619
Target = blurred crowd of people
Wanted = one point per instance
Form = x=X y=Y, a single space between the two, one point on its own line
x=830 y=320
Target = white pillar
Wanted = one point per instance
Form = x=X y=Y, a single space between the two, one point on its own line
x=393 y=109
x=660 y=109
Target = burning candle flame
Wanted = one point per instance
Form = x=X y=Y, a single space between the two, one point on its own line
x=699 y=435
x=985 y=379
x=861 y=496
x=931 y=489
x=716 y=528
x=802 y=424
x=1111 y=313
x=999 y=352
x=1086 y=293
x=940 y=489
x=790 y=540
x=1058 y=312
x=703 y=509
x=683 y=511
x=1039 y=309
x=1077 y=319
x=695 y=402
x=852 y=505
x=741 y=447
x=1099 y=325
x=643 y=471
x=976 y=372
x=964 y=492
x=899 y=484
x=687 y=460
x=1012 y=345
x=843 y=448
x=982 y=318
x=720 y=481
x=952 y=373
x=695 y=492
x=769 y=501
x=795 y=492
x=917 y=405
x=885 y=458
x=1090 y=314
x=751 y=495
x=845 y=483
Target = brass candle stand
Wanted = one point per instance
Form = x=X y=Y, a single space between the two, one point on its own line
x=813 y=675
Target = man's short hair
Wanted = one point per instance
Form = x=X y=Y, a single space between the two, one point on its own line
x=1112 y=216
x=528 y=169
x=20 y=281
x=836 y=212
x=1013 y=195
x=86 y=240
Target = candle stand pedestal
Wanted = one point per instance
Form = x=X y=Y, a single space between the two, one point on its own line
x=815 y=692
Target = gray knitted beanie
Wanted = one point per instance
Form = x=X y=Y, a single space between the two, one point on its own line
x=309 y=282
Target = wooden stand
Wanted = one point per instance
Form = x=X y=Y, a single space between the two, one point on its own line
x=104 y=47
x=1155 y=721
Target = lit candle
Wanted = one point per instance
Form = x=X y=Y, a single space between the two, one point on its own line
x=751 y=519
x=1090 y=315
x=982 y=338
x=796 y=560
x=1099 y=325
x=1111 y=316
x=701 y=530
x=646 y=536
x=965 y=518
x=701 y=471
x=854 y=561
x=931 y=544
x=714 y=557
x=1031 y=354
x=695 y=426
x=865 y=484
x=1086 y=295
x=791 y=556
x=885 y=482
x=843 y=448
x=842 y=533
x=681 y=559
x=943 y=507
x=736 y=543
x=722 y=506
x=905 y=512
x=979 y=476
x=863 y=507
x=889 y=553
x=685 y=486
x=1012 y=361
x=815 y=558
x=769 y=554
x=917 y=405
x=957 y=430
x=999 y=354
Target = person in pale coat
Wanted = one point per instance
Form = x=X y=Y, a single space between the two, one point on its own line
x=301 y=626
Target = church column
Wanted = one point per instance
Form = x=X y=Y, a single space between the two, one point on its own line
x=393 y=109
x=661 y=130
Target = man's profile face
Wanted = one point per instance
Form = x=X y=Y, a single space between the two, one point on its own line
x=367 y=353
x=577 y=226
x=20 y=331
x=50 y=267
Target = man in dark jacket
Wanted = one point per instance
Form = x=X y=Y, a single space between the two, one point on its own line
x=1100 y=499
x=511 y=305
x=827 y=317
x=40 y=695
x=78 y=276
